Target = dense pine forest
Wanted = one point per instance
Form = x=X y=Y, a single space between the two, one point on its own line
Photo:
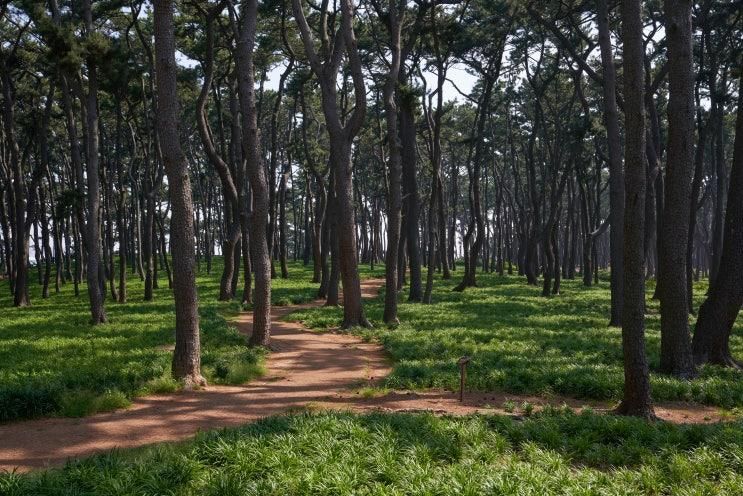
x=372 y=215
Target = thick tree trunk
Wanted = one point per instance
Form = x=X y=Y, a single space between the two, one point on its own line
x=636 y=397
x=675 y=355
x=353 y=313
x=187 y=354
x=719 y=311
x=256 y=173
x=341 y=138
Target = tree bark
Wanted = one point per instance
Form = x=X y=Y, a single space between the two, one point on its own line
x=394 y=198
x=636 y=397
x=341 y=138
x=256 y=173
x=410 y=192
x=616 y=179
x=719 y=311
x=93 y=231
x=675 y=355
x=187 y=354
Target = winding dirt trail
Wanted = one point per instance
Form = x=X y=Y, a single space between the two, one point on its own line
x=303 y=367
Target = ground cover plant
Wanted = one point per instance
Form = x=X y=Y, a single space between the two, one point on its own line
x=552 y=452
x=521 y=342
x=55 y=362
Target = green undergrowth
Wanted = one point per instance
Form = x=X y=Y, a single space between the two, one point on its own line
x=554 y=452
x=523 y=343
x=53 y=362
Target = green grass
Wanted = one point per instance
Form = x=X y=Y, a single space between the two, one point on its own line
x=523 y=343
x=53 y=362
x=553 y=452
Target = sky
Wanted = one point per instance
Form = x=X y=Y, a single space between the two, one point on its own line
x=457 y=75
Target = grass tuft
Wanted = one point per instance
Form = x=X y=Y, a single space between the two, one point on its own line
x=83 y=402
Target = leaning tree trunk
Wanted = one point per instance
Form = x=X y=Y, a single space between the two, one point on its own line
x=719 y=311
x=231 y=187
x=187 y=354
x=675 y=349
x=469 y=278
x=636 y=397
x=256 y=173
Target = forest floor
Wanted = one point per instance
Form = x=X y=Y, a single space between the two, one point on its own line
x=303 y=367
x=305 y=370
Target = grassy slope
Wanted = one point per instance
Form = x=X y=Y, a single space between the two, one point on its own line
x=54 y=362
x=333 y=453
x=521 y=342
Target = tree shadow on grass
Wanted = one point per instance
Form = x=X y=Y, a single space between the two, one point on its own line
x=406 y=451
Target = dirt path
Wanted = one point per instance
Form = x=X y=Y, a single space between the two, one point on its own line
x=447 y=402
x=303 y=367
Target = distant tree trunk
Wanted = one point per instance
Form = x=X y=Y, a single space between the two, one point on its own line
x=93 y=232
x=471 y=255
x=111 y=261
x=256 y=174
x=19 y=274
x=430 y=241
x=230 y=186
x=120 y=209
x=410 y=192
x=187 y=354
x=45 y=240
x=636 y=397
x=282 y=221
x=148 y=234
x=394 y=198
x=719 y=311
x=675 y=355
x=285 y=173
x=333 y=278
x=697 y=180
x=341 y=138
x=719 y=173
x=616 y=180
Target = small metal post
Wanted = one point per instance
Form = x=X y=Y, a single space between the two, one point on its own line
x=462 y=362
